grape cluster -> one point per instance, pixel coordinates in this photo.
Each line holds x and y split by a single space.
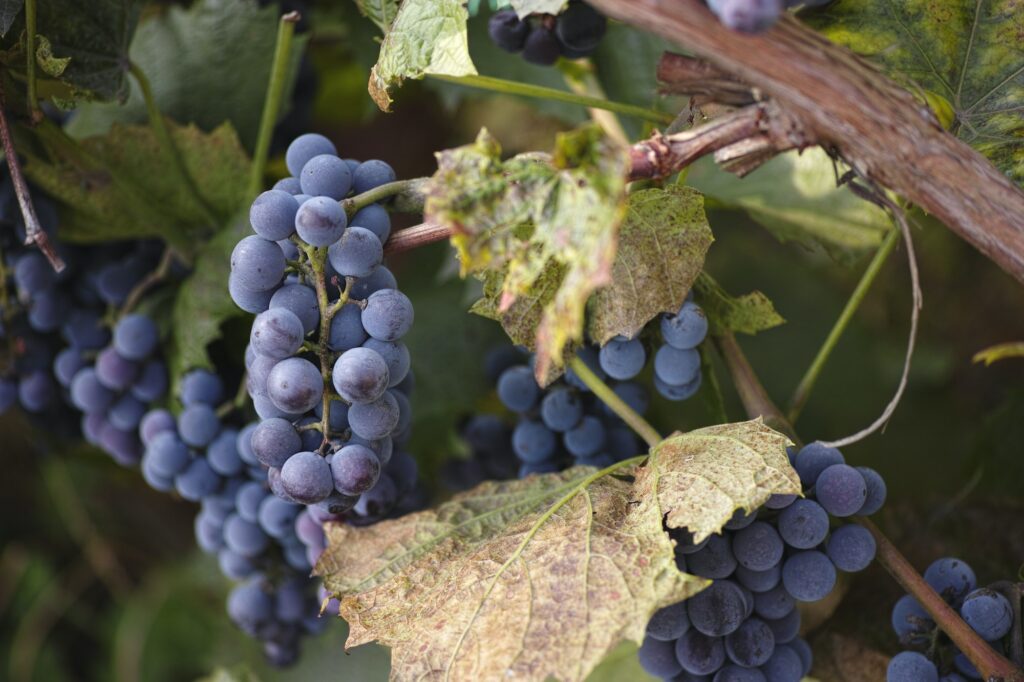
754 16
543 38
744 626
930 656
254 535
328 373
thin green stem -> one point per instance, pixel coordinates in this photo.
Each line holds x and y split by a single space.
238 400
317 258
158 275
272 100
615 403
580 78
410 186
163 135
540 92
30 62
806 385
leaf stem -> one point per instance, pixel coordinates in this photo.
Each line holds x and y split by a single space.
34 233
806 385
30 64
615 403
272 100
757 403
541 92
163 135
411 188
416 236
153 278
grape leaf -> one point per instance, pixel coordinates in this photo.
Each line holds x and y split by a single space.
9 11
95 35
550 224
427 36
203 303
748 314
182 53
966 51
621 664
795 197
545 575
525 7
662 243
380 12
121 185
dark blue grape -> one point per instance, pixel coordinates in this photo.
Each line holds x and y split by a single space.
623 358
773 604
198 425
676 367
841 490
658 658
736 673
325 175
88 394
360 375
388 315
272 215
507 30
376 419
580 28
715 560
197 480
740 519
814 458
786 628
249 605
988 613
235 566
561 409
517 389
699 654
718 609
273 441
300 300
909 618
126 413
759 581
541 46
396 357
586 438
305 147
808 575
135 337
784 665
357 253
533 442
320 221
687 328
295 385
910 666
669 623
151 383
370 174
803 524
951 578
380 279
277 333
222 454
257 264
876 491
758 546
374 218
355 468
156 422
851 548
289 184
277 516
307 477
249 300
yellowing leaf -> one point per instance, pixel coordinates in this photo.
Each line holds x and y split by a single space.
545 576
427 36
966 51
1002 351
662 244
747 314
549 225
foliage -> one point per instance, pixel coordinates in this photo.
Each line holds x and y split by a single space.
493 569
964 51
549 225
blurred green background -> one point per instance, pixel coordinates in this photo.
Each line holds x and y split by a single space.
100 578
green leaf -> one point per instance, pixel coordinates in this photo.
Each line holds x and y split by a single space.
796 198
95 35
427 36
966 51
662 244
238 673
621 664
203 303
489 573
1002 351
194 78
380 12
747 314
525 7
548 224
9 11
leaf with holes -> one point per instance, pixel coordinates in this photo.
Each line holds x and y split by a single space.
967 52
747 314
662 244
426 37
548 224
546 575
